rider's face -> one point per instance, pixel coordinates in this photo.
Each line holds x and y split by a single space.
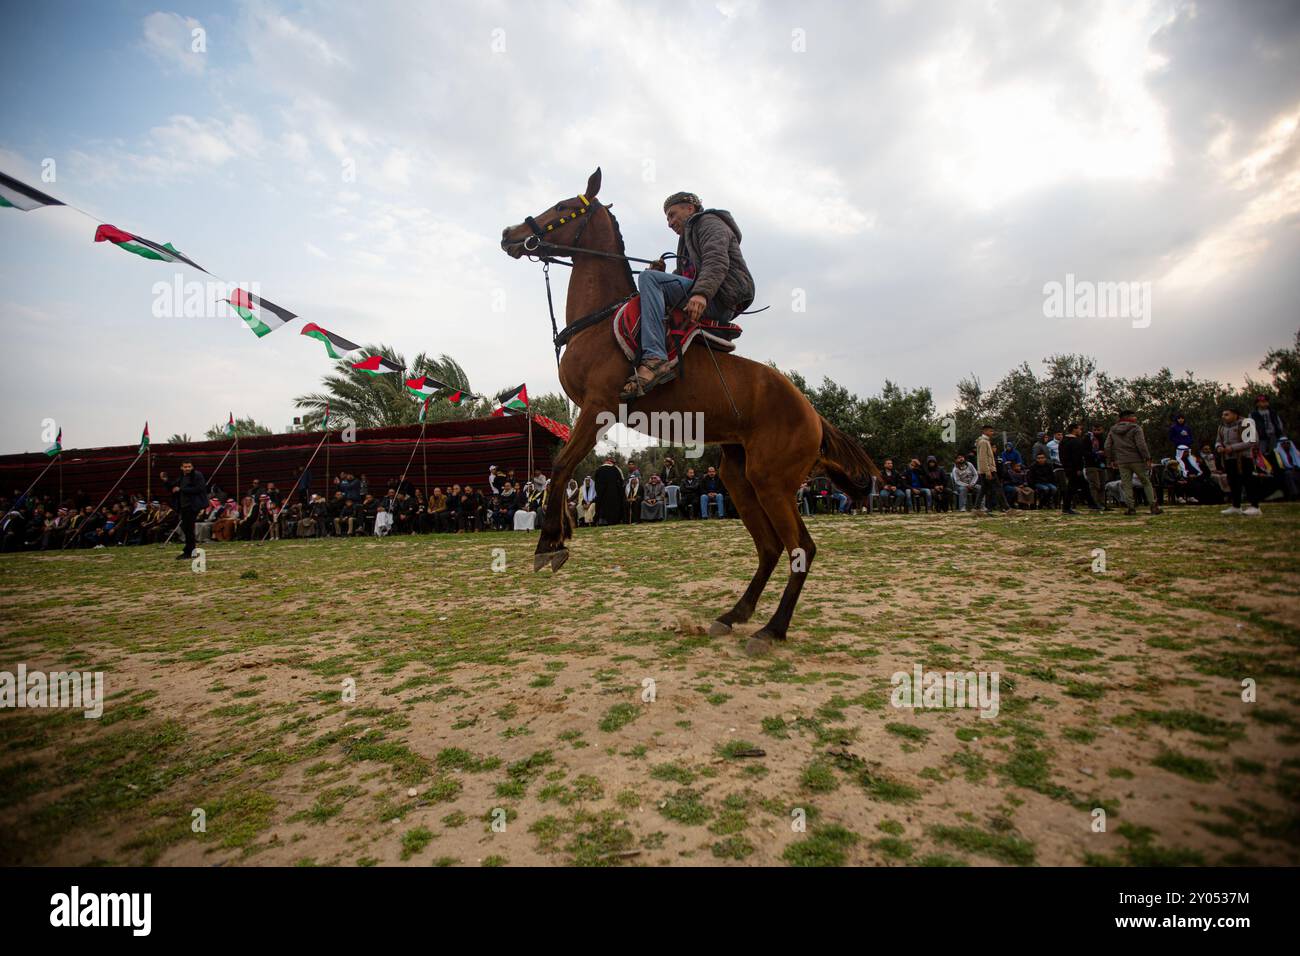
677 215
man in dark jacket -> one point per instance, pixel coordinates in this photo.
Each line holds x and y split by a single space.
1075 452
711 279
1268 425
1126 449
609 493
192 494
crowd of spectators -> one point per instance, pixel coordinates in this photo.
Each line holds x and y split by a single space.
1246 461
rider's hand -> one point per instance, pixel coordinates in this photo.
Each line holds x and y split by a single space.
695 307
657 265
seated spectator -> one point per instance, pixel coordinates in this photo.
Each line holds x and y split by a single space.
966 481
1287 458
438 510
571 500
893 486
1171 483
1017 488
587 502
690 498
383 521
632 496
1042 478
652 504
918 487
937 483
804 499
711 494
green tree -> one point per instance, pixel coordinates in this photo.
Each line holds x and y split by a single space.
180 438
244 427
377 401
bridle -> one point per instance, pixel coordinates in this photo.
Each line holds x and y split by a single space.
542 250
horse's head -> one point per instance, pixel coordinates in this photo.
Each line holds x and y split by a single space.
560 225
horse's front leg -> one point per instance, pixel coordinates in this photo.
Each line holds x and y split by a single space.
556 529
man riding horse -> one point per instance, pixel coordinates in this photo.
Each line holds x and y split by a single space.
711 278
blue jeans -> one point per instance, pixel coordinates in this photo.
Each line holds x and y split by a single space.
661 291
717 505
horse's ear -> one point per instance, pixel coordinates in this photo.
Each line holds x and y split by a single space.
593 184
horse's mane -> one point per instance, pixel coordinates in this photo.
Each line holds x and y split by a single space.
622 250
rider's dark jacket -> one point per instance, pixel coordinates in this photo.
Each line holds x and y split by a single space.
708 251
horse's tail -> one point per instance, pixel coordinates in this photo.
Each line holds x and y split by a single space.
847 462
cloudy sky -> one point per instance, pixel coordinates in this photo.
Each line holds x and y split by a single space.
915 172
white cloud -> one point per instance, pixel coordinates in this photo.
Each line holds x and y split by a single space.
170 37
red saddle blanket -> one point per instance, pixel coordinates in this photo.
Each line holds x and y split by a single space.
681 331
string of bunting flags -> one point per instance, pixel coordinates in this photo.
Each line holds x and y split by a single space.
260 315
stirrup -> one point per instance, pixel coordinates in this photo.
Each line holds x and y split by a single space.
637 387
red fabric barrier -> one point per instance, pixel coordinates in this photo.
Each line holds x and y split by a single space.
457 452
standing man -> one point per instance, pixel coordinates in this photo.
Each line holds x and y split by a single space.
609 493
1126 449
1268 426
192 494
711 278
1236 448
986 463
1094 465
1073 456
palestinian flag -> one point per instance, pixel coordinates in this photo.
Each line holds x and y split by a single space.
144 438
144 247
326 423
336 345
57 446
261 316
377 365
230 425
513 401
457 398
425 386
424 407
16 195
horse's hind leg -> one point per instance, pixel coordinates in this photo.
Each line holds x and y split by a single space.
760 529
778 501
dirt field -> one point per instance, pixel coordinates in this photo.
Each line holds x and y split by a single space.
501 718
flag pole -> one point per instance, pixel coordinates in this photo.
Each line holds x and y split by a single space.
529 420
238 499
411 459
294 489
209 478
42 475
148 474
424 453
82 526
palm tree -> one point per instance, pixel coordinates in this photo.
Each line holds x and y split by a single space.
376 401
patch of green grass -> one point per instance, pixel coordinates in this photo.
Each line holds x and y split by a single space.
618 717
825 846
1193 768
998 846
686 806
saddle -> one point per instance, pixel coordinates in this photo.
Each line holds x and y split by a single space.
682 332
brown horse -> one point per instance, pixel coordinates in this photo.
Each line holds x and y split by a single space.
771 436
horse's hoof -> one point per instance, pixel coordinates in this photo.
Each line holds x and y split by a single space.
719 629
558 558
540 561
759 645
